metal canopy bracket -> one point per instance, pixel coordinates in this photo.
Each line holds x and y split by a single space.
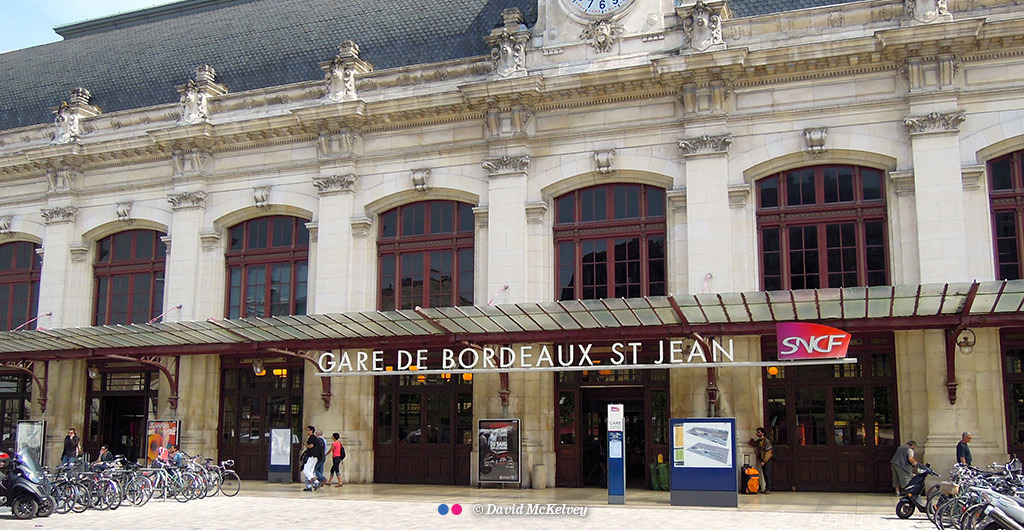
952 334
29 367
325 382
172 379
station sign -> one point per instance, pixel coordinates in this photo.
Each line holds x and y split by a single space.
801 340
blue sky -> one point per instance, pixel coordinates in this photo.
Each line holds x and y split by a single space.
25 23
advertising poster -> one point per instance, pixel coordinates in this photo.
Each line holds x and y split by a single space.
704 445
30 437
160 434
678 449
280 447
499 452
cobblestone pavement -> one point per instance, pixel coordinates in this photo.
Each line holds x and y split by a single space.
317 511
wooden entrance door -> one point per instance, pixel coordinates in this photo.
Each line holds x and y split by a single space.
834 427
424 427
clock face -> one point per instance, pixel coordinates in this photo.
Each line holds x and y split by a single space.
599 7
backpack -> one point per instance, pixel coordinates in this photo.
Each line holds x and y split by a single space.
342 452
750 481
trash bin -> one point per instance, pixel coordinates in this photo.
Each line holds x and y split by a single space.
662 474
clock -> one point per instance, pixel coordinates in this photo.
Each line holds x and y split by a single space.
593 9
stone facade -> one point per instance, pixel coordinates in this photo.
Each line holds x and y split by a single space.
926 99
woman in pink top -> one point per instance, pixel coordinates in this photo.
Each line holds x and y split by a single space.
338 452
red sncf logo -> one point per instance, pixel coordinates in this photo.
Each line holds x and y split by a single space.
798 340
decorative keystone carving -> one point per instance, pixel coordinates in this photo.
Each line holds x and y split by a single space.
62 178
535 212
602 35
361 227
341 71
67 116
703 28
934 122
123 210
927 11
419 179
60 214
342 144
603 160
261 196
335 184
705 144
195 161
5 224
506 164
508 44
188 199
815 139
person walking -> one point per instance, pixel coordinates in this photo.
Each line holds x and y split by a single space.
963 451
764 451
72 448
903 463
316 446
337 451
325 449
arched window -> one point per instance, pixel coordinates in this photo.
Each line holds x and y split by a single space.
268 267
19 284
610 242
426 243
1006 194
822 226
129 273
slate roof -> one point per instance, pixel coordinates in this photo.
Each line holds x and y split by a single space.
132 61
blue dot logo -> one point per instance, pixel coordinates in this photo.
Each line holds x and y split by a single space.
442 509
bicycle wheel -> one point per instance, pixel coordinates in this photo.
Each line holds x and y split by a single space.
973 516
179 488
948 516
82 498
200 485
230 484
934 500
139 491
64 495
213 482
111 494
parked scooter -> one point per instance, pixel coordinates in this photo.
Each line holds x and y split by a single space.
999 512
24 487
914 494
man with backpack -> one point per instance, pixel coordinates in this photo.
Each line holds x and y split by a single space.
764 451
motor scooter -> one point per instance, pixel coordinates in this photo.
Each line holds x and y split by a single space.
24 487
913 494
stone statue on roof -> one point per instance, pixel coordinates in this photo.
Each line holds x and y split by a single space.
193 104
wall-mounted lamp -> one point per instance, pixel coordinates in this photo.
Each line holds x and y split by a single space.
93 372
257 367
967 341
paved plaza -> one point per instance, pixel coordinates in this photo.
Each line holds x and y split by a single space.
267 506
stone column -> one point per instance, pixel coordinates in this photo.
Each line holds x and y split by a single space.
334 242
507 228
938 196
707 213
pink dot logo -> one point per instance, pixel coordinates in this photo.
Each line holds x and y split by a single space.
456 509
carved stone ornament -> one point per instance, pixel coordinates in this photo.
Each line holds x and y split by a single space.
506 164
65 124
261 196
927 11
420 178
62 178
5 224
703 28
508 54
60 214
195 161
341 71
188 199
123 210
193 104
335 184
934 122
338 144
603 159
815 139
705 144
602 34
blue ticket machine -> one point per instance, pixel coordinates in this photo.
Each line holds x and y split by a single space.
616 455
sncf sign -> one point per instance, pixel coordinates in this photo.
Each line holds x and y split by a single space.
799 340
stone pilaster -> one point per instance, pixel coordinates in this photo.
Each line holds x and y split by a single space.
334 242
939 196
507 227
707 212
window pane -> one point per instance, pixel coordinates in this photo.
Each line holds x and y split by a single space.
1002 173
777 426
656 266
871 184
849 414
811 428
1007 251
413 219
409 412
564 208
412 280
284 231
389 224
236 233
123 246
655 201
384 418
441 217
465 277
567 418
885 430
466 220
626 199
387 282
255 291
441 280
145 241
593 204
566 271
258 229
768 192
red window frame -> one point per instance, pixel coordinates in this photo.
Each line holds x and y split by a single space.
822 226
20 268
420 238
259 252
1006 197
129 277
612 238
